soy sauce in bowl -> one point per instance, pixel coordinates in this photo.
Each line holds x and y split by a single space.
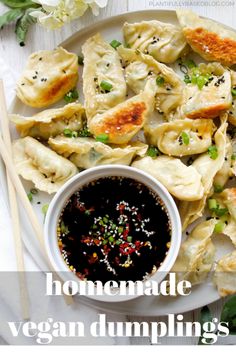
114 228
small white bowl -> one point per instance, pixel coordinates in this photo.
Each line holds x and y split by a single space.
58 202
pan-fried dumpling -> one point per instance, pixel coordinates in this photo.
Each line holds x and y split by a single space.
86 152
207 168
44 167
196 255
223 175
207 100
225 274
48 76
181 181
103 79
50 122
119 124
211 40
164 41
140 67
181 137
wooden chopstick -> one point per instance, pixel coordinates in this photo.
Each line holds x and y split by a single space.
24 295
15 180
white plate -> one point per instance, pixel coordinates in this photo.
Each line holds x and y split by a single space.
148 306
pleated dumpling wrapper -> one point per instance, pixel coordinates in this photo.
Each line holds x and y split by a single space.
104 84
181 137
50 122
225 274
47 77
207 167
119 124
211 40
87 152
196 255
140 67
181 181
209 93
44 167
164 41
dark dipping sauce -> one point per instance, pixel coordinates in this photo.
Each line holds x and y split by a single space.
114 228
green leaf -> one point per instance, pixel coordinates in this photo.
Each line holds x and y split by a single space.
22 26
205 316
153 151
104 138
185 138
228 314
71 96
20 4
10 16
213 152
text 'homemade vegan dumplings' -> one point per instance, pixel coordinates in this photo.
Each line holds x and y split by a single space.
48 76
86 152
181 137
119 124
37 163
104 84
140 67
211 40
50 122
164 41
181 181
212 97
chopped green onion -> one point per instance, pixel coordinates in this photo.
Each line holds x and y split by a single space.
190 64
111 239
87 213
80 60
219 212
153 151
233 91
120 230
201 81
218 189
85 133
34 191
118 242
129 239
64 228
74 134
113 227
102 138
67 133
233 157
187 79
115 43
106 86
212 204
160 81
45 209
185 138
219 227
104 242
105 219
71 96
30 196
213 152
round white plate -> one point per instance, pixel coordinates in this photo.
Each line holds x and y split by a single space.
149 306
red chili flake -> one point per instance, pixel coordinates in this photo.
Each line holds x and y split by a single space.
96 241
121 208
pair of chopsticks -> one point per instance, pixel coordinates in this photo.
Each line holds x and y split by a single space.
14 184
5 148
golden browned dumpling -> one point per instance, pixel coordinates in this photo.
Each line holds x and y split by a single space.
214 42
48 76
